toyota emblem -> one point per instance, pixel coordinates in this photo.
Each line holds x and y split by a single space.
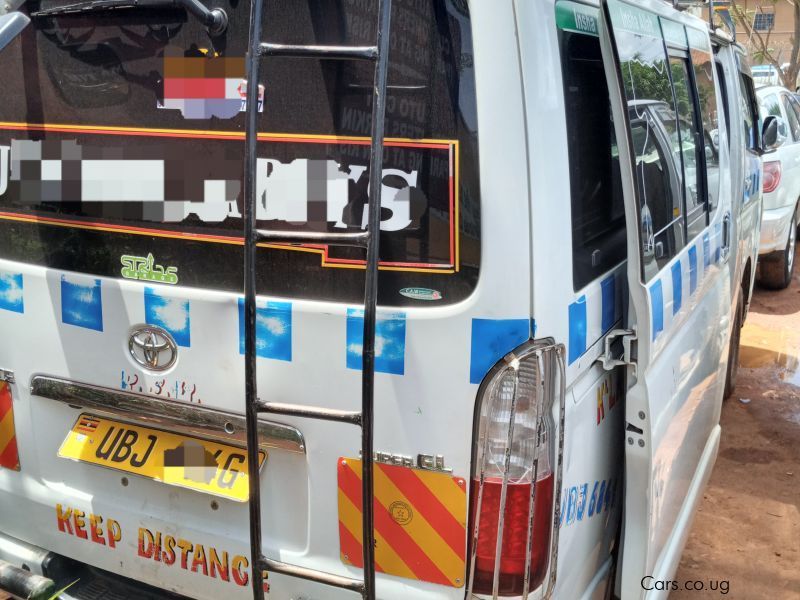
152 348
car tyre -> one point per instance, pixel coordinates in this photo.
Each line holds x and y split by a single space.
733 352
776 274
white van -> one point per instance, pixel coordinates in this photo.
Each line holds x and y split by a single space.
536 410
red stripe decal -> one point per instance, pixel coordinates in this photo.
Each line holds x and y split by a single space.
402 543
5 399
9 458
435 513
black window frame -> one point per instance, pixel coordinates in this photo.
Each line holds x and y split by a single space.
614 251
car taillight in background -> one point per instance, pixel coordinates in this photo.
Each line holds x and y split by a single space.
772 175
513 483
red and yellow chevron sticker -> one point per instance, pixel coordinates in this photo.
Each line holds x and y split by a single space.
9 457
420 522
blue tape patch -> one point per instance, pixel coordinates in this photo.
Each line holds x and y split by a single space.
273 330
11 292
706 252
82 303
390 341
718 238
677 287
692 269
577 329
609 302
657 307
168 313
492 339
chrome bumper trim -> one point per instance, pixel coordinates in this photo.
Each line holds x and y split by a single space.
173 415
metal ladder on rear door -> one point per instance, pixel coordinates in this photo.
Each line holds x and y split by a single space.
369 240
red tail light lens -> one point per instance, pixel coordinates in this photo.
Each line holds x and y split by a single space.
772 175
515 535
513 405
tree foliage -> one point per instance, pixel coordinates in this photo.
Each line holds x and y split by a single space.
763 49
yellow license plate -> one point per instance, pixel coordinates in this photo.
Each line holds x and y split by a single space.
175 459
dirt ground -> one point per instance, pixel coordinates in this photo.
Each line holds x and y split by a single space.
747 530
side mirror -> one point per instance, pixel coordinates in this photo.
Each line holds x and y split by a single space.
771 133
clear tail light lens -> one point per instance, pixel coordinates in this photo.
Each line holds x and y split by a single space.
514 395
772 175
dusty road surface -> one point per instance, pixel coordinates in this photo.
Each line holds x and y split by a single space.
747 531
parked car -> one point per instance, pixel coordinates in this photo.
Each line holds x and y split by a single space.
781 164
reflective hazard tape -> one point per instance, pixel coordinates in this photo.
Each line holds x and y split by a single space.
9 457
420 522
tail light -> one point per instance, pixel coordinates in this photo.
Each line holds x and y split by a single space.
772 175
513 483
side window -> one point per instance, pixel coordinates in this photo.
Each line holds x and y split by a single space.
791 118
598 210
691 146
749 114
653 118
723 88
703 66
770 106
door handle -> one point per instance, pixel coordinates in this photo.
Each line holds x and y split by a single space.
725 248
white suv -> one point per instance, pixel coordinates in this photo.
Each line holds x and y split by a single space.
781 187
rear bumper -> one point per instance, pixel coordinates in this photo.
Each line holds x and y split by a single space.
28 571
775 229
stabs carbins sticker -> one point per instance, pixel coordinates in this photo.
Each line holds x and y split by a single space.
9 457
420 522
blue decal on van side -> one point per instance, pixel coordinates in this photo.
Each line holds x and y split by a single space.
657 307
11 296
692 269
577 329
677 287
492 339
609 302
390 341
718 244
82 303
273 330
168 313
706 252
577 504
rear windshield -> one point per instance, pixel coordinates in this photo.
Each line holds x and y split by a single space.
121 145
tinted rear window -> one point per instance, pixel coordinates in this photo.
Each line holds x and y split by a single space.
122 136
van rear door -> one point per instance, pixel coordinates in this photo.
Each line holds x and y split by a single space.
664 98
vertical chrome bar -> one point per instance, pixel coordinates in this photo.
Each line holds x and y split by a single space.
532 501
251 390
504 487
478 504
560 352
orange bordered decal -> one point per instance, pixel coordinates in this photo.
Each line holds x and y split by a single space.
420 522
9 457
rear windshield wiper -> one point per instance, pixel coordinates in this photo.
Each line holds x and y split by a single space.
214 19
